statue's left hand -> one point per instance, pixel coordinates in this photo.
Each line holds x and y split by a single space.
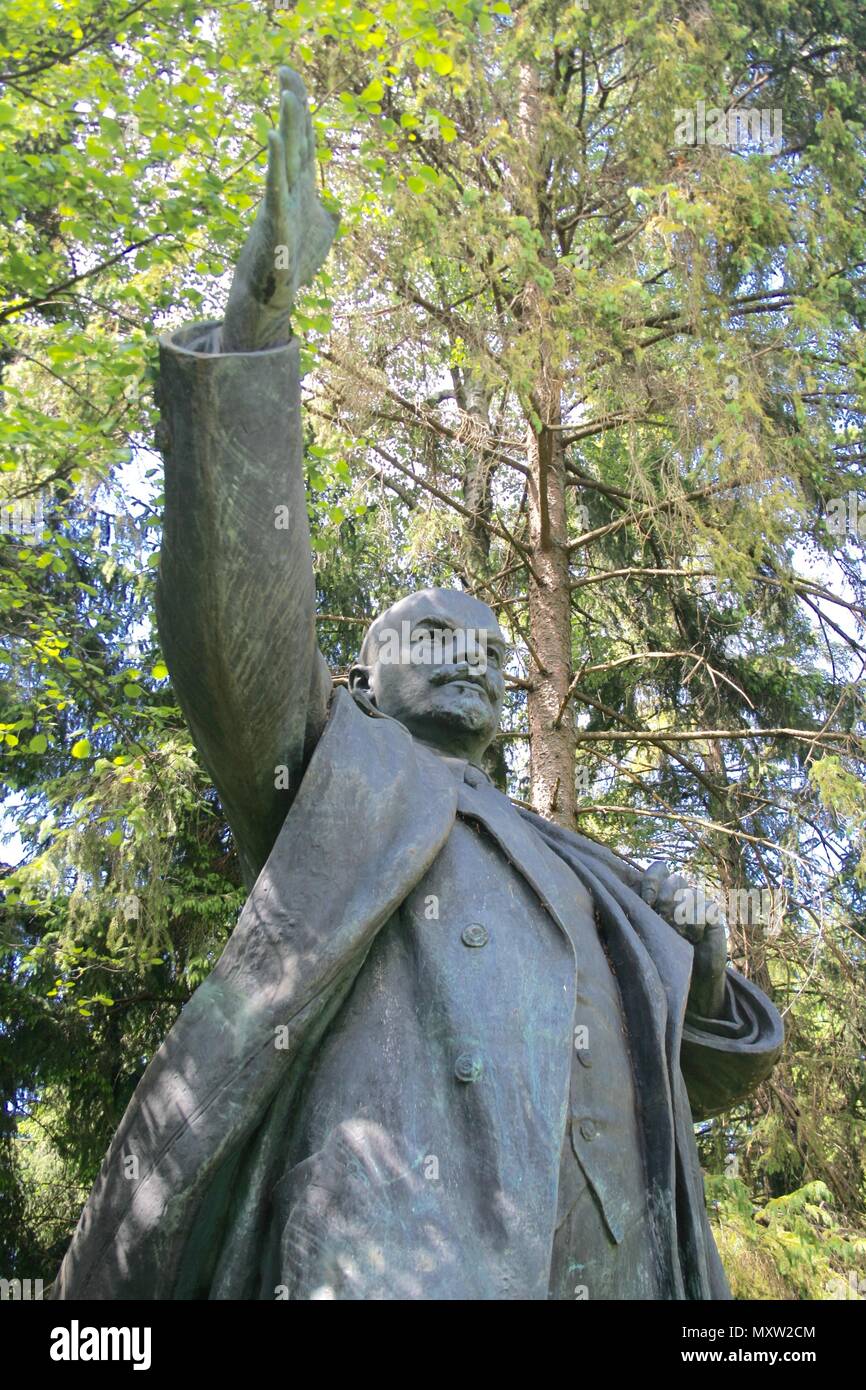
669 895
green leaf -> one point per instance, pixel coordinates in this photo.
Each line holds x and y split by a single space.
262 127
81 748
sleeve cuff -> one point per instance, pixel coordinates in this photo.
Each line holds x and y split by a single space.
204 340
724 1059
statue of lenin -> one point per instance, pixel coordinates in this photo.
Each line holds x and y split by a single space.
451 1050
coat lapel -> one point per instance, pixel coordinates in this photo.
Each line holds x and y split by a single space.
372 813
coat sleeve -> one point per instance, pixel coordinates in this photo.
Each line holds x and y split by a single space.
724 1059
236 593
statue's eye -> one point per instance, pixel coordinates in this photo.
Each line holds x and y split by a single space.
428 645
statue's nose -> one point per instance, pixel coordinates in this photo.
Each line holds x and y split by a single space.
467 667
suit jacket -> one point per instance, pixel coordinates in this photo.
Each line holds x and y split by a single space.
219 1089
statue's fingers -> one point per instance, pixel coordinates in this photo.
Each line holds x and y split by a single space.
276 190
716 934
672 889
290 81
676 903
291 132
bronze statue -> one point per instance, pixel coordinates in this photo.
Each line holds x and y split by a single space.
451 1050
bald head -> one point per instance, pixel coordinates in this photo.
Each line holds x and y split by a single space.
449 608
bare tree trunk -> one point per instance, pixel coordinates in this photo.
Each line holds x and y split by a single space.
551 727
552 740
746 931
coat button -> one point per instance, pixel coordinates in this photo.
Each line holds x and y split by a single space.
588 1129
471 777
468 1067
475 935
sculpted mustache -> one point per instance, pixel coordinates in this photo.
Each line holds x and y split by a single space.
446 678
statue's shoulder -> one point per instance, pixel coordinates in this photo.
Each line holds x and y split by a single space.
351 718
356 734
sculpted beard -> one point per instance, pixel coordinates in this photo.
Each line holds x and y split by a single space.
467 708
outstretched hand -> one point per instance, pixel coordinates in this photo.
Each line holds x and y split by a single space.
290 238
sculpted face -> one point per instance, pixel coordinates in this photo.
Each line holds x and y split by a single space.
434 661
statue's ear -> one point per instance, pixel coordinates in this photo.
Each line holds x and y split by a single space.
359 680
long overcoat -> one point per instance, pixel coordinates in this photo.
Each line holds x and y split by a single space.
184 1204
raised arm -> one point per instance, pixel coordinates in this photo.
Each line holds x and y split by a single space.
236 593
